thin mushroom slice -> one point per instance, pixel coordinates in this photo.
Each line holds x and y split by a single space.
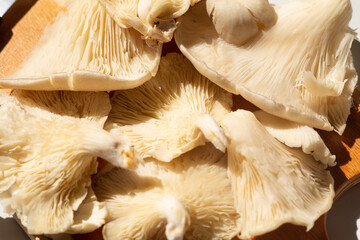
154 19
300 69
85 50
48 154
189 198
272 183
172 113
297 135
237 21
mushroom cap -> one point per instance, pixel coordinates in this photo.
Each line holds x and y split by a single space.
48 148
92 108
237 21
154 19
172 113
89 216
196 180
85 50
296 135
300 69
272 183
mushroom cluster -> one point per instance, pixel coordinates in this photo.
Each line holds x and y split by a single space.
182 163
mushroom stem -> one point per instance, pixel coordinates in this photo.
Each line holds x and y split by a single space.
178 218
114 149
212 132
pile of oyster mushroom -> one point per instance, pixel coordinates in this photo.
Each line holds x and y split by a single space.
181 163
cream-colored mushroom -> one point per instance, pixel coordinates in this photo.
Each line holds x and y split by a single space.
154 19
89 216
300 69
189 198
172 113
85 50
272 183
237 21
297 135
49 142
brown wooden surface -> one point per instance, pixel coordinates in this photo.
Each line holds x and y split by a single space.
21 29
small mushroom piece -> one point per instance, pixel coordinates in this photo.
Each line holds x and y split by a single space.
89 216
49 142
237 21
272 183
189 198
154 19
85 50
172 113
300 69
297 135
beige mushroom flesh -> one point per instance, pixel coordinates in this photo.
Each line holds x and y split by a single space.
299 69
272 183
188 198
85 50
172 113
48 149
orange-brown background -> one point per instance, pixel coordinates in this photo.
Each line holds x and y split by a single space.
21 29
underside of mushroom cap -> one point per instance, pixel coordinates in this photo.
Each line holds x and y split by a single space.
86 106
297 135
89 216
172 113
272 183
38 182
85 50
197 179
48 154
300 69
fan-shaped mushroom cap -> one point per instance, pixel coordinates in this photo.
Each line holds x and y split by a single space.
272 183
189 198
154 19
85 50
172 113
237 21
297 135
300 69
48 147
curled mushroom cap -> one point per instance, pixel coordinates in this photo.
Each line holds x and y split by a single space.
189 198
297 135
272 183
85 50
300 69
48 149
237 21
172 113
154 19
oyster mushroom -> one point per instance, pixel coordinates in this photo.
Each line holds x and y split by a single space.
189 198
272 183
297 135
237 21
300 69
85 50
154 19
172 113
49 142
